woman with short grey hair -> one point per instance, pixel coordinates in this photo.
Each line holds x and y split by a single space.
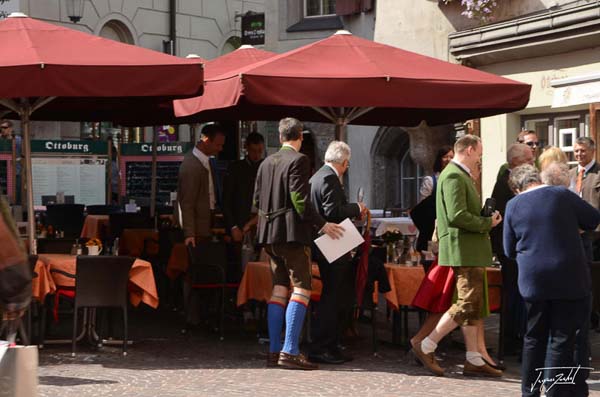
541 232
524 177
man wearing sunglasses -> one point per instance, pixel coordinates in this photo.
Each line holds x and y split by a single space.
529 138
6 132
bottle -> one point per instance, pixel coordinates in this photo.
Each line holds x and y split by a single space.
115 249
74 248
79 249
413 255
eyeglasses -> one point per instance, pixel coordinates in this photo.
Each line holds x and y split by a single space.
4 127
532 144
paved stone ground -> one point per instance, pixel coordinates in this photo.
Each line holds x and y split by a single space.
163 362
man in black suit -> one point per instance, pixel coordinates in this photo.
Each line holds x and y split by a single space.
328 196
512 303
238 190
287 221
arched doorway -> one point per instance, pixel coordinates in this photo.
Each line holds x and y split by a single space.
401 157
395 176
232 44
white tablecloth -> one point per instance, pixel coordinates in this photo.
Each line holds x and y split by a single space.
383 225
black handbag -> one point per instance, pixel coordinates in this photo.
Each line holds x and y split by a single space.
423 216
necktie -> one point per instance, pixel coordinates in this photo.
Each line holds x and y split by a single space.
579 180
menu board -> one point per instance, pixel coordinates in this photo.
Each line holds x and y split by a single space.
136 168
138 175
84 178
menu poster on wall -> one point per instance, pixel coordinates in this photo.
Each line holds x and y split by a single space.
84 178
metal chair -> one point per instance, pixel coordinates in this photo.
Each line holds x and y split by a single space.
101 281
207 271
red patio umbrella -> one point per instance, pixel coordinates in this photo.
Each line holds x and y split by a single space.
347 79
54 73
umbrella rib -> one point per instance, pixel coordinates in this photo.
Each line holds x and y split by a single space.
10 103
41 101
329 116
357 112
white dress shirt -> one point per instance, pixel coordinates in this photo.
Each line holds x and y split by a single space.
206 164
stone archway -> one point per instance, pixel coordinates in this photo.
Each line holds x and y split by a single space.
401 156
389 145
117 31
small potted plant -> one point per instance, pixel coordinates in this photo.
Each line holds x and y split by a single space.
94 246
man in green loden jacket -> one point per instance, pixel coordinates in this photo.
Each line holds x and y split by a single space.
464 244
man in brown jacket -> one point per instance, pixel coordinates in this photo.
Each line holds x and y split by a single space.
195 186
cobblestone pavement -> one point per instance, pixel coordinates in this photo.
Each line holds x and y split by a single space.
163 362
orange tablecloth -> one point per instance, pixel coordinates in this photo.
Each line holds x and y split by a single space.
132 242
95 226
43 284
257 283
405 281
142 287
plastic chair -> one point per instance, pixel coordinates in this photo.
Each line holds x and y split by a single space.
101 281
66 217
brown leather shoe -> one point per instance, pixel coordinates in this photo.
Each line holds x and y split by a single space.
481 370
272 359
295 362
428 360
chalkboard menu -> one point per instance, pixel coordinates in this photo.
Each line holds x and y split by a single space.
138 175
136 168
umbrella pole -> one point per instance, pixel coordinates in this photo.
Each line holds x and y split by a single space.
153 180
25 116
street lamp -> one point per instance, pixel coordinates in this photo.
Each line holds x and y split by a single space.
75 9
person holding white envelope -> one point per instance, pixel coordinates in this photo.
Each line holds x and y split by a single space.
328 196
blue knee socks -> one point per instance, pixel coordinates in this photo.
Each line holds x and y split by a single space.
294 319
275 315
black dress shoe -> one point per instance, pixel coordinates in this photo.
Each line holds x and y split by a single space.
326 358
341 355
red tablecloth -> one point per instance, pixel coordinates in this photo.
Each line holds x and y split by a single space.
142 287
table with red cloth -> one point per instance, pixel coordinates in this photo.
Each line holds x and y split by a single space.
95 226
405 281
142 287
257 283
42 284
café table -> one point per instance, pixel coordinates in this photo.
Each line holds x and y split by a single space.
95 226
257 283
43 284
142 287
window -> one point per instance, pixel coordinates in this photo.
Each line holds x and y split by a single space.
411 176
559 130
316 8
